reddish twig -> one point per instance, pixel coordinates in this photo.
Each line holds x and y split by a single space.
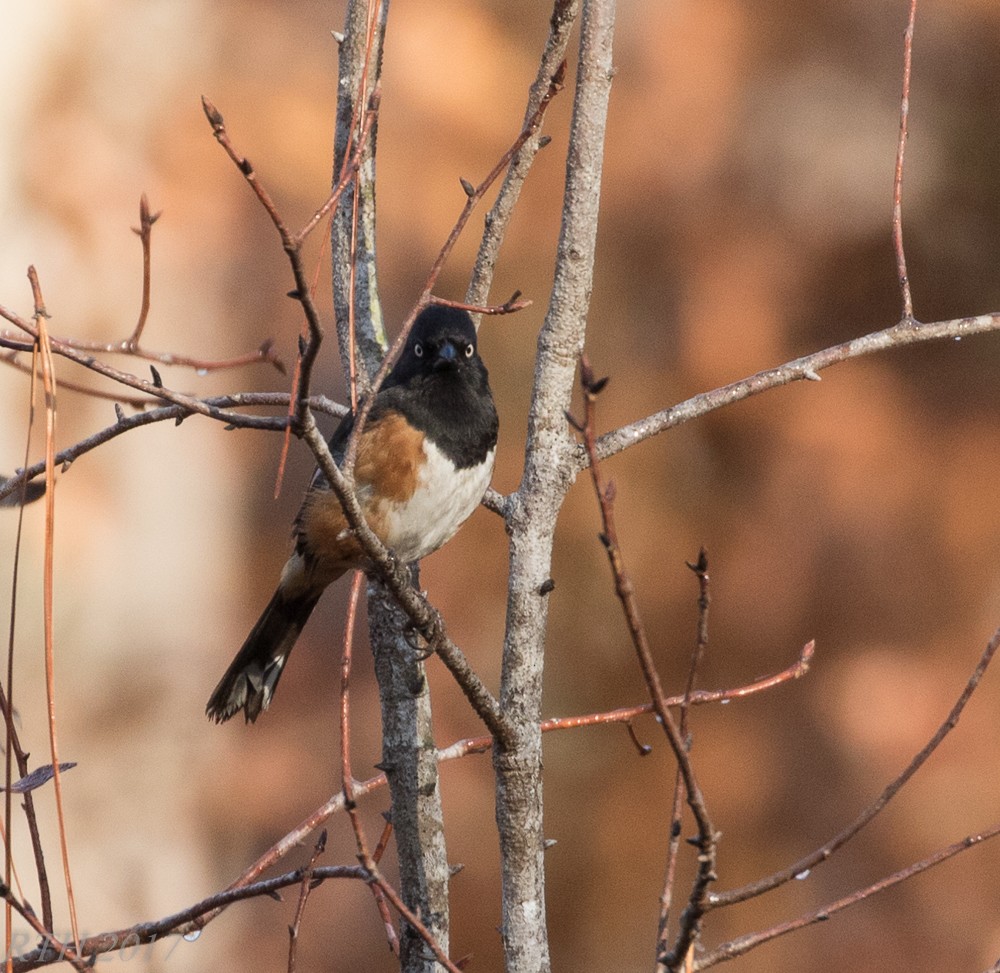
738 947
133 402
13 750
292 242
700 568
564 16
156 389
821 854
391 935
131 346
48 587
476 193
707 839
305 887
145 233
511 305
897 183
411 917
347 775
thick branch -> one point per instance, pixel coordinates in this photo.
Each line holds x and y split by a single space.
533 510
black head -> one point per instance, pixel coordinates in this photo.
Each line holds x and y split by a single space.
442 339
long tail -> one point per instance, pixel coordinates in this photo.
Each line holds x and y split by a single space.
250 679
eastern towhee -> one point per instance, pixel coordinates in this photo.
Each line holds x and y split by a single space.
424 461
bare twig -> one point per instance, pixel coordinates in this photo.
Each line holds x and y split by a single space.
131 346
707 840
738 947
347 774
897 183
217 405
564 14
186 922
821 854
700 568
292 242
481 744
133 402
155 389
13 750
808 368
48 587
305 887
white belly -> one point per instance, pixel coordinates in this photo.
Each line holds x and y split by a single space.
443 500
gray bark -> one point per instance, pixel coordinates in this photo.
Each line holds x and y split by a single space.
408 752
532 511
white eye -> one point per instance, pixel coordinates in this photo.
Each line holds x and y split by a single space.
418 350
469 349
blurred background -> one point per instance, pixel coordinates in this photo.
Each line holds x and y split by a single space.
745 221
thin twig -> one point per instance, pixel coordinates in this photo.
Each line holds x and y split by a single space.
48 587
738 947
564 15
14 750
481 744
897 182
292 242
305 887
177 413
131 346
154 389
180 923
799 369
821 854
707 839
133 402
700 568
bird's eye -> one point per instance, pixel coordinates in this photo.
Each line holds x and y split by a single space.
469 350
418 350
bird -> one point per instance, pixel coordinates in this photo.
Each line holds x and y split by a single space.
424 461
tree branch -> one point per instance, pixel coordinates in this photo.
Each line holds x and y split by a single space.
808 368
821 854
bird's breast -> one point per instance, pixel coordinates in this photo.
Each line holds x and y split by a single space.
443 497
